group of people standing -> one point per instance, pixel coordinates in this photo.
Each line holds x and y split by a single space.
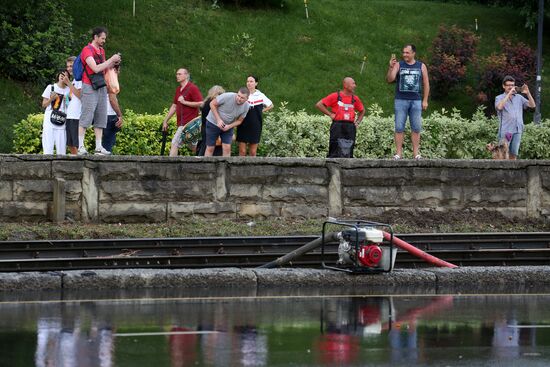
411 97
226 116
83 103
221 113
412 89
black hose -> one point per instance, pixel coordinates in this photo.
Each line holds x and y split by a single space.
332 236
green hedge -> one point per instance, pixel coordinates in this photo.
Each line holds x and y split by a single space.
297 134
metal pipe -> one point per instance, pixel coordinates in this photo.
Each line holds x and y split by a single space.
331 236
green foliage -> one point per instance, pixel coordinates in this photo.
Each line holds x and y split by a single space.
446 135
294 134
288 133
36 37
140 135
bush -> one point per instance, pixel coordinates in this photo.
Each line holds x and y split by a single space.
35 39
515 59
455 41
452 49
298 134
140 135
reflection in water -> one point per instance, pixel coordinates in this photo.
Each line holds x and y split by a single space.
388 330
62 346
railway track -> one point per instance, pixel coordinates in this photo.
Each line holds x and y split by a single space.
463 249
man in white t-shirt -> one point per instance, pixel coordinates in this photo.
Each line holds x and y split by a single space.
74 109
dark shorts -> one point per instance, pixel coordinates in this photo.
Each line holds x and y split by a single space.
72 132
212 133
342 139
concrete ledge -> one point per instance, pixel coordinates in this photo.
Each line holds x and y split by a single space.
262 281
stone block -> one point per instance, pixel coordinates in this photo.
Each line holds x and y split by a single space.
24 211
304 176
218 209
504 178
178 171
375 196
68 170
132 212
302 193
245 191
6 193
430 196
258 210
115 171
495 197
73 190
464 177
544 173
263 174
253 174
155 190
23 170
396 176
304 211
32 190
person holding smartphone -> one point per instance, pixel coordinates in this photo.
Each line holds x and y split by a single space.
510 106
55 96
412 88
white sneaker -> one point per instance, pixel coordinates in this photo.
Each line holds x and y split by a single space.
82 151
102 151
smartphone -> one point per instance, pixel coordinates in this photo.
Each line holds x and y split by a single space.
393 56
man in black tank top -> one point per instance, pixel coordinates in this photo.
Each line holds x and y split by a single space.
411 97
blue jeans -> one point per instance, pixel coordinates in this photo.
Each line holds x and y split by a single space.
109 133
212 133
410 108
513 143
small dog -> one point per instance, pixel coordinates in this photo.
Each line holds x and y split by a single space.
499 150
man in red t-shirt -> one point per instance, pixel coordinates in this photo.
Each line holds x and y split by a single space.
346 112
94 98
186 104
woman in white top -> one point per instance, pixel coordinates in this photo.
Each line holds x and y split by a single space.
250 131
55 96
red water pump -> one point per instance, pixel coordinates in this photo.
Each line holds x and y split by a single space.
362 247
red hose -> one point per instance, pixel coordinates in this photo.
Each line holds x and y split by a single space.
419 253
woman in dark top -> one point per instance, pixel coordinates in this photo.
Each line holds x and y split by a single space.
250 131
201 145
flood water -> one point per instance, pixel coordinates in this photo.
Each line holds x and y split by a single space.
309 330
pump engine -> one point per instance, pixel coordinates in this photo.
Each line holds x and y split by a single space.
361 247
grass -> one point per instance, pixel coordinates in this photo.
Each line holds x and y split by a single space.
402 222
297 60
15 104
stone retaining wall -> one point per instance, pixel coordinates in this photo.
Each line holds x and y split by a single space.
159 189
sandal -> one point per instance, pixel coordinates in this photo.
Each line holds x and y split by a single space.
418 157
396 157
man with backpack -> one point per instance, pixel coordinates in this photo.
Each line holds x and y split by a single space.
94 91
346 112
